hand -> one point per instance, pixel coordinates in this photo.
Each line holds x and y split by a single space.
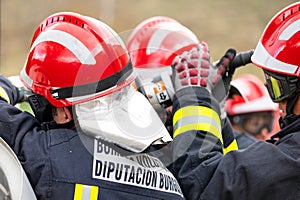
239 60
8 91
23 91
194 68
221 89
220 92
191 68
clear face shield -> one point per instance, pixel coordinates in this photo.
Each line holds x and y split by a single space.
125 118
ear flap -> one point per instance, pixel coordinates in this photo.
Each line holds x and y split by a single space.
41 108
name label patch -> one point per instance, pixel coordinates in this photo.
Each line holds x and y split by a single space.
138 170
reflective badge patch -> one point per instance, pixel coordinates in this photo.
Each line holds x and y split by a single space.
85 192
139 170
161 92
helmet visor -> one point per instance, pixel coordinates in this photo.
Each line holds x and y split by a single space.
254 123
280 87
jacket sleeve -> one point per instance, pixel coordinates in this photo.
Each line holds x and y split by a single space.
21 131
14 123
198 142
204 172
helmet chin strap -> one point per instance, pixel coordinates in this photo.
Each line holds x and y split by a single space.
290 116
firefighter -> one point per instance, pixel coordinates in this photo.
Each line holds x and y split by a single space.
263 170
250 110
153 44
92 136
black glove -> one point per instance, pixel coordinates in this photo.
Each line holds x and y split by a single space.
239 60
220 91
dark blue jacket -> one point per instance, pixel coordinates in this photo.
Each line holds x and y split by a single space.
243 139
261 171
64 164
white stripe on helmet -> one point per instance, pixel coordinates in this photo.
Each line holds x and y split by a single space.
160 34
70 42
262 57
290 30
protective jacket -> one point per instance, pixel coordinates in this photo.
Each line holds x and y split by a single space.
65 164
261 171
243 139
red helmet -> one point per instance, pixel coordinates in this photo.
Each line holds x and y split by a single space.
277 53
75 58
156 41
278 49
248 95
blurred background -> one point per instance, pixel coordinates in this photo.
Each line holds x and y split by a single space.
221 23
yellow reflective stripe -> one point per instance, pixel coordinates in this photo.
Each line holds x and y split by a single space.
199 126
85 192
275 88
94 193
78 192
4 95
195 110
233 146
194 120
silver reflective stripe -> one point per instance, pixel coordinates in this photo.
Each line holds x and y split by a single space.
290 30
86 192
263 58
160 34
26 78
195 120
69 41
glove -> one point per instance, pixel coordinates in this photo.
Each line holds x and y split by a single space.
24 93
239 60
8 91
194 68
221 89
